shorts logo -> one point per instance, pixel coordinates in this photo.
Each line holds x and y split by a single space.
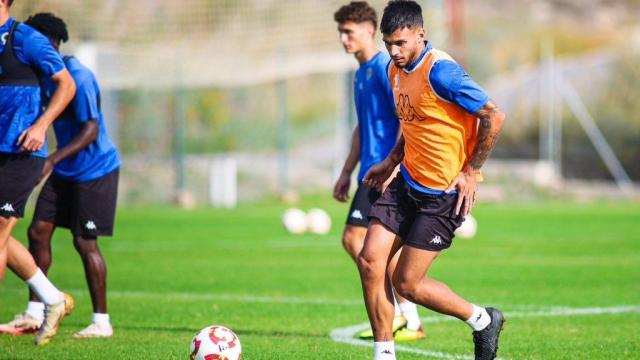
90 225
7 207
437 240
356 214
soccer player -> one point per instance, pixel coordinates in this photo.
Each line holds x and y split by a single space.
373 138
24 56
81 192
449 127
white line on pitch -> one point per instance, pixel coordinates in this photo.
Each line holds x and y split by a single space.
185 296
346 335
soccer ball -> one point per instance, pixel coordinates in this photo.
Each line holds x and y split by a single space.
318 221
216 343
295 221
468 228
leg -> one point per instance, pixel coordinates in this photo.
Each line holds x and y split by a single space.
6 227
406 309
391 268
353 240
95 271
379 246
409 279
20 260
40 233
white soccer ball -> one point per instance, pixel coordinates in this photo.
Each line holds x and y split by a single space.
318 221
216 343
295 221
468 228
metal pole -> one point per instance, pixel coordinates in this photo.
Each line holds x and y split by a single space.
283 137
590 127
179 129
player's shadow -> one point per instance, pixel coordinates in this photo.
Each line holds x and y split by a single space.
239 332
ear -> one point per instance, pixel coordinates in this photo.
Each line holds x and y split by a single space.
422 34
371 30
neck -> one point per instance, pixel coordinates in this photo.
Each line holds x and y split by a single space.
417 54
4 16
365 55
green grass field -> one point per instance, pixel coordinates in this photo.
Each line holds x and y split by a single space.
566 275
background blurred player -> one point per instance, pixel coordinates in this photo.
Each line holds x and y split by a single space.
442 149
373 138
81 192
25 56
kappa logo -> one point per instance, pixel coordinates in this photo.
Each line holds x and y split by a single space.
437 240
7 207
4 37
356 214
405 111
90 225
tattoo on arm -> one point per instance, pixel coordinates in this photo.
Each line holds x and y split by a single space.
491 120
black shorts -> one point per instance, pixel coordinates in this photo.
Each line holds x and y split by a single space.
361 205
88 209
19 174
422 220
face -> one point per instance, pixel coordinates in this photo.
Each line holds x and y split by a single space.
403 45
356 36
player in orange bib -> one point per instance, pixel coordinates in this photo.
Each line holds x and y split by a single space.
449 128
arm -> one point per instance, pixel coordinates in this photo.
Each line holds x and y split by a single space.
491 122
380 173
341 189
87 135
33 138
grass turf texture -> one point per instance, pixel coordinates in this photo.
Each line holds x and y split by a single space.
174 272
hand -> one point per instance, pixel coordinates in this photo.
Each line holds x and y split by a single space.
341 189
467 186
378 175
32 139
46 170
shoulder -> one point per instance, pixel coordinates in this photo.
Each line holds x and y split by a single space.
25 33
79 72
445 72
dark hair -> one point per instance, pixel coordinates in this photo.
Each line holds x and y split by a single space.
357 12
9 3
49 25
400 14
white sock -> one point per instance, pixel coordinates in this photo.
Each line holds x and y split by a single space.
410 312
480 318
384 350
44 289
101 320
36 310
395 306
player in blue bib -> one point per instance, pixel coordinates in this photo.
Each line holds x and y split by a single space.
80 193
25 57
373 139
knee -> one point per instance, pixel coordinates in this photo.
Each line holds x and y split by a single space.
84 246
350 244
353 240
370 269
404 286
37 236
